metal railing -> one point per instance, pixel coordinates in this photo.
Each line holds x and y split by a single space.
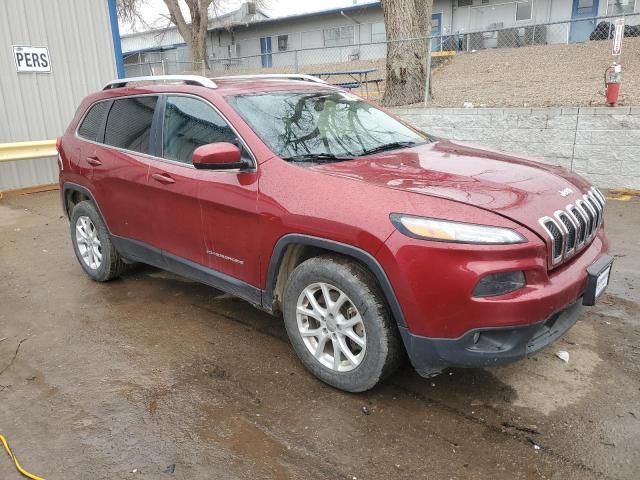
27 150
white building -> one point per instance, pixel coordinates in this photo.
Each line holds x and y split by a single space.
348 33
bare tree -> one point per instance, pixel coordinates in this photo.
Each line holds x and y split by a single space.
407 23
129 10
194 33
193 28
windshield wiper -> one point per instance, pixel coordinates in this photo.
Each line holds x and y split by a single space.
315 158
388 146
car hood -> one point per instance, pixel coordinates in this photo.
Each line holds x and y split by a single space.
518 188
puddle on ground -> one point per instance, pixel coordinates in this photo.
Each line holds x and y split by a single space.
245 439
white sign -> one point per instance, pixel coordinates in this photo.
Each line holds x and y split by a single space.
617 37
32 59
603 281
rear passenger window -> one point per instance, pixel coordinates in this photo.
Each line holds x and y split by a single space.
129 123
190 123
92 121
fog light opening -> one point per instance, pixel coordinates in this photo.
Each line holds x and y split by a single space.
476 337
500 283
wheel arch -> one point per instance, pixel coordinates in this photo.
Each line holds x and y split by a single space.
293 249
73 193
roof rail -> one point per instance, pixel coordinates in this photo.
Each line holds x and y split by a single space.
282 76
187 79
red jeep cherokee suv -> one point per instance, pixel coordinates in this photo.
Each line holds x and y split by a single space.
371 237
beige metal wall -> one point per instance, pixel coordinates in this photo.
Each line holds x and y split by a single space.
39 106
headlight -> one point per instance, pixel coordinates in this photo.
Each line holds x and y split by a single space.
446 231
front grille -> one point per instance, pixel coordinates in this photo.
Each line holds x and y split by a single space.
588 210
582 223
596 206
556 236
572 229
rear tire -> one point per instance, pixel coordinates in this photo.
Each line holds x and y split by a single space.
92 244
350 341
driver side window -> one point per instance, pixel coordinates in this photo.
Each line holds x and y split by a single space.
190 123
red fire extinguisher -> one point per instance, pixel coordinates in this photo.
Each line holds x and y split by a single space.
612 80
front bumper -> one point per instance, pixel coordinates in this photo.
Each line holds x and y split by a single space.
486 347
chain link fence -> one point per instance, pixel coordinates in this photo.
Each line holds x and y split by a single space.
362 67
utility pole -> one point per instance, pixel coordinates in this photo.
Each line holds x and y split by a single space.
427 80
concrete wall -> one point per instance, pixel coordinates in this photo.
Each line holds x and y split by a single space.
39 106
603 144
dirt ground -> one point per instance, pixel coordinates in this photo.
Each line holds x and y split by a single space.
538 76
153 376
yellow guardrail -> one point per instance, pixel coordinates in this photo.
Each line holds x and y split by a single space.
27 150
445 53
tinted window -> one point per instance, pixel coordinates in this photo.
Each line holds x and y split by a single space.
92 121
188 124
129 123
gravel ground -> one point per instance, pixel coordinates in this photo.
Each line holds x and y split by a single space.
152 376
538 76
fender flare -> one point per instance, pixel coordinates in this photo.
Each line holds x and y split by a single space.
67 186
343 248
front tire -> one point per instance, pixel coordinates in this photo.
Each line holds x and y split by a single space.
92 244
339 324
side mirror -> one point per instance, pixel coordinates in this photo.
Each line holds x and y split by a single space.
217 156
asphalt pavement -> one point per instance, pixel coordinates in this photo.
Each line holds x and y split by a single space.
153 376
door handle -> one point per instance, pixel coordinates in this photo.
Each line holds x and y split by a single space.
93 160
163 178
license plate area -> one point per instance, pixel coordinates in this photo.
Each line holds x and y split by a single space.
597 280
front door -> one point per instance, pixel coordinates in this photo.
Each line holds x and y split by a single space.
436 32
581 29
265 50
206 217
173 182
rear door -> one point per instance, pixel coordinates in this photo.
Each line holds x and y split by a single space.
119 163
91 130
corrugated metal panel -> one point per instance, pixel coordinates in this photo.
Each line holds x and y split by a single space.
151 40
39 106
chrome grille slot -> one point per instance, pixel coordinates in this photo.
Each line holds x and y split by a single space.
581 222
598 194
557 238
588 210
596 207
572 229
598 199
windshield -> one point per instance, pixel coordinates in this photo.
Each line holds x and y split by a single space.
322 126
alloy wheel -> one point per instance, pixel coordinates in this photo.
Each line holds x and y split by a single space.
331 327
88 242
